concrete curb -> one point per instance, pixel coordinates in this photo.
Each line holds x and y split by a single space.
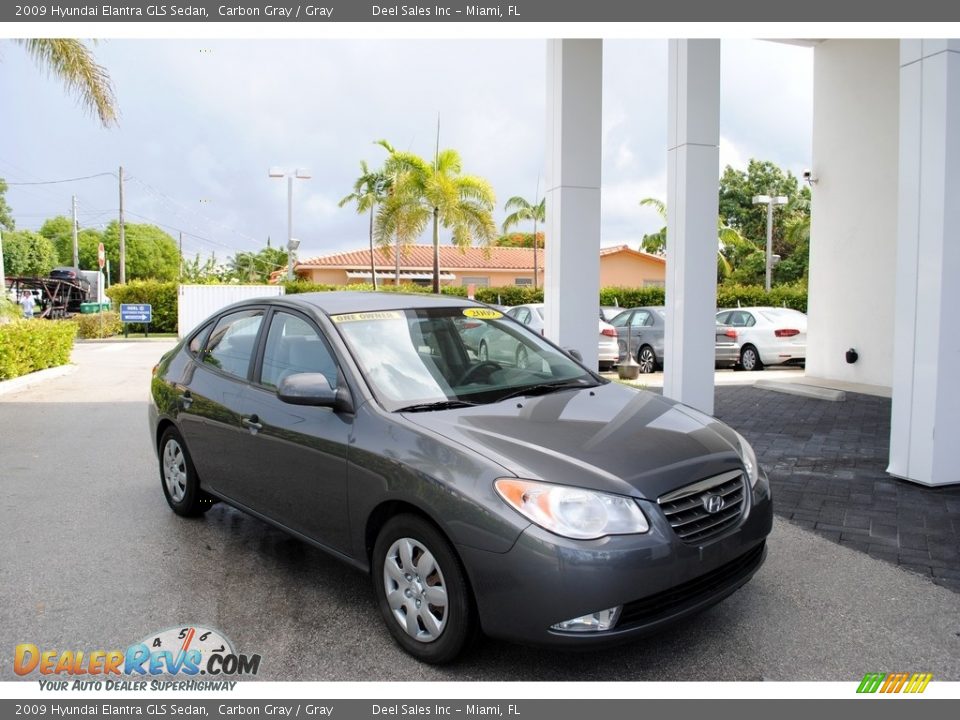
35 378
808 391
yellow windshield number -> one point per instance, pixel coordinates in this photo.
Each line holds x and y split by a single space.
482 313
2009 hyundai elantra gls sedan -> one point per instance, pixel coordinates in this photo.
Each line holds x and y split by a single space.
539 504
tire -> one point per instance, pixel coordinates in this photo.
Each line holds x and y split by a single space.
523 358
483 353
178 477
647 359
750 358
437 632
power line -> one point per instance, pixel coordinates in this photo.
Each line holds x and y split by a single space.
65 180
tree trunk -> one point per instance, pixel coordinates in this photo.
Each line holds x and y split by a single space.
396 259
373 267
436 251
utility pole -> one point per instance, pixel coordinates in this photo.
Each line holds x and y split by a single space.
76 251
123 239
3 277
180 274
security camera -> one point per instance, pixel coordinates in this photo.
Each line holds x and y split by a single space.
809 177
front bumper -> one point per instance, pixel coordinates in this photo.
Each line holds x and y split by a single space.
545 579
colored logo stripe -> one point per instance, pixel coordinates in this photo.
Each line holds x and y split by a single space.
894 682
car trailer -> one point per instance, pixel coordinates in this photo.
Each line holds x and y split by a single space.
58 298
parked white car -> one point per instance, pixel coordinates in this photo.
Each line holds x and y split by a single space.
768 335
608 352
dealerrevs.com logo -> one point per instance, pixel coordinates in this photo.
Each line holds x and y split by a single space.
188 650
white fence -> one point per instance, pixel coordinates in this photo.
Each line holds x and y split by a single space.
198 302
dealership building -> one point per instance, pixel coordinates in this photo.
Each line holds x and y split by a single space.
885 226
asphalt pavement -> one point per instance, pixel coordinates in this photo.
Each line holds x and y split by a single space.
92 558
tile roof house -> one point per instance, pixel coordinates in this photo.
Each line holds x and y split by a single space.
481 267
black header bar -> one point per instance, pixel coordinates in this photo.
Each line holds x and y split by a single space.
493 11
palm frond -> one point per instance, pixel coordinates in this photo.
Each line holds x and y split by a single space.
73 64
659 205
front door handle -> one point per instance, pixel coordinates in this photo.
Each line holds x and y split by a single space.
252 422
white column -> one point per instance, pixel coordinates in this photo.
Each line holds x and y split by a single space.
925 423
572 266
693 165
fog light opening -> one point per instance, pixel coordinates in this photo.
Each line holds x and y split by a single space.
594 622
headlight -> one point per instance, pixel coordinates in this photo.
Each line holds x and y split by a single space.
749 458
573 512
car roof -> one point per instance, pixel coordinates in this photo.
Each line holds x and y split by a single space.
337 302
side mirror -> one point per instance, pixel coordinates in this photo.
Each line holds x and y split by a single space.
574 353
307 389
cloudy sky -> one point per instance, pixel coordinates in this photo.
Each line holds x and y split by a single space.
201 123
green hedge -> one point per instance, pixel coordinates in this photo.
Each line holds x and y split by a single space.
30 345
98 325
162 297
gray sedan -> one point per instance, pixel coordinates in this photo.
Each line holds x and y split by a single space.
538 504
643 329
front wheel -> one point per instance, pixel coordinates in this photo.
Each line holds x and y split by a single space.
178 476
422 590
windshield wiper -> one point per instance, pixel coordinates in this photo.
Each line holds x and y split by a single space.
439 405
544 388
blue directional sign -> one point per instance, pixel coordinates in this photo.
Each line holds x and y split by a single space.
136 313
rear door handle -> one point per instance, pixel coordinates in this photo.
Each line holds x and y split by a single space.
252 422
186 400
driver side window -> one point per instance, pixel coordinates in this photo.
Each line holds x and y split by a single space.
294 346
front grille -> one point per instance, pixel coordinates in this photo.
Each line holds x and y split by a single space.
687 512
667 602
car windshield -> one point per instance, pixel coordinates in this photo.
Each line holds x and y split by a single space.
431 358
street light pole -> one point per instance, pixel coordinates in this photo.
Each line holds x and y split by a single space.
769 201
292 243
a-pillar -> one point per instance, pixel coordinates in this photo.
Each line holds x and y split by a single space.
693 164
572 277
925 423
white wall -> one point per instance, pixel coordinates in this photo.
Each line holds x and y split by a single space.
198 302
854 212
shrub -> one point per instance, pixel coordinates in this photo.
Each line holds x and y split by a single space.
162 297
627 297
98 325
30 345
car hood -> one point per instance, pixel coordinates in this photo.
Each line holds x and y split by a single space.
610 438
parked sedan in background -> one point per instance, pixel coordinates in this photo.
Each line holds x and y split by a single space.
768 335
506 350
542 505
643 328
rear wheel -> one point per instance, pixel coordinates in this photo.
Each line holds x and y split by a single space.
178 476
422 590
647 359
750 358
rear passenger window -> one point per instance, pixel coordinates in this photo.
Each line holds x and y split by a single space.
232 342
293 346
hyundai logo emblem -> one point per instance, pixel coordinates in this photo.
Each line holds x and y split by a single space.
713 503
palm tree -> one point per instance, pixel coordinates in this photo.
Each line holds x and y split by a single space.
523 210
73 63
369 190
424 191
728 238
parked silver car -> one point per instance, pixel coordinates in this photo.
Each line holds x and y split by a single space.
504 349
642 328
768 335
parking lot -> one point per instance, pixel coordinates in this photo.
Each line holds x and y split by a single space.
93 558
